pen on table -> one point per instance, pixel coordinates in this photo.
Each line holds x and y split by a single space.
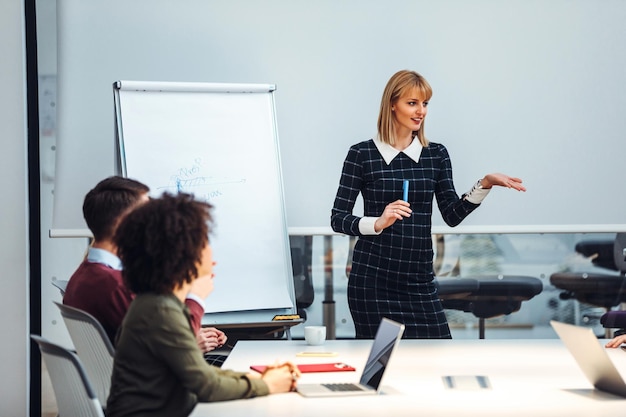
405 190
308 353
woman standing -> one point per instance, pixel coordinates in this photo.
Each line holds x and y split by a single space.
392 270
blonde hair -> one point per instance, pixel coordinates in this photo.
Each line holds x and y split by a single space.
399 84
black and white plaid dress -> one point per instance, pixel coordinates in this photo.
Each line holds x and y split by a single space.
392 273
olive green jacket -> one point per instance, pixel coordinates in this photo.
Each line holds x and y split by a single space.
159 369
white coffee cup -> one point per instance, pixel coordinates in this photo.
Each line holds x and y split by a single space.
315 335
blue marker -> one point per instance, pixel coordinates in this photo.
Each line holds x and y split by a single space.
405 190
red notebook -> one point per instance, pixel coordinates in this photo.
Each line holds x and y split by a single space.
313 367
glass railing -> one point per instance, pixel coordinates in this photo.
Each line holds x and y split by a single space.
322 264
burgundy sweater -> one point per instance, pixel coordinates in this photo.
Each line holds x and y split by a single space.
100 291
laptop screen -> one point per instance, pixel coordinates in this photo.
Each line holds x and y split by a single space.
384 343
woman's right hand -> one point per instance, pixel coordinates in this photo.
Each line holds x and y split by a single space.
393 212
281 378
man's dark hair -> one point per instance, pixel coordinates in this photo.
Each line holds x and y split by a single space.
160 242
108 201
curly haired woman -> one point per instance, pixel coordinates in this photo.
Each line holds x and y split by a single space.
159 369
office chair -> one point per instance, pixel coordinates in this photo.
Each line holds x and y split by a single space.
598 289
303 284
73 391
93 347
493 296
485 296
615 319
61 284
455 288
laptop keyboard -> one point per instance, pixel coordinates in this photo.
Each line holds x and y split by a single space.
343 387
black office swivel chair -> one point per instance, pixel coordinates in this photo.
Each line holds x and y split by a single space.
455 288
615 319
303 284
599 289
491 296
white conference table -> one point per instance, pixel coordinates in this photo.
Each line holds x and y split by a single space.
528 378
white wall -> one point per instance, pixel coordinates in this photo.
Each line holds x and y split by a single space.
532 88
59 257
13 214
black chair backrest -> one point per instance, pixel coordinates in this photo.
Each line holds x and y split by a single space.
619 252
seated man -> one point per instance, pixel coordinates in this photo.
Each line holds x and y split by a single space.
97 287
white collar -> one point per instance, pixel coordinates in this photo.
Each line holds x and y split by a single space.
388 152
104 257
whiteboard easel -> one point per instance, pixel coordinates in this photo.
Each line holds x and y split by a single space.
220 143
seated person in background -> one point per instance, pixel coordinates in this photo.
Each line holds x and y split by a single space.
96 287
158 369
617 341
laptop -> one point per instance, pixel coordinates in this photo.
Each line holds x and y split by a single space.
595 363
387 337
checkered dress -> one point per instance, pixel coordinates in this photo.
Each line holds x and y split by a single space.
392 272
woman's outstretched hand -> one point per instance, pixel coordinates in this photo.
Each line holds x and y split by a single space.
399 209
502 180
